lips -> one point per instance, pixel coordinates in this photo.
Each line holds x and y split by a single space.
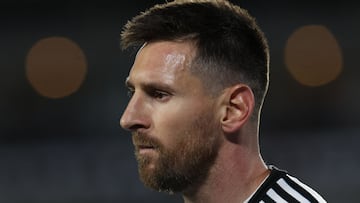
145 147
145 143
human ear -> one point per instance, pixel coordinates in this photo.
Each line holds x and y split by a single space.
239 104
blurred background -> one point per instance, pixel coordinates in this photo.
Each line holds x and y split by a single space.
62 93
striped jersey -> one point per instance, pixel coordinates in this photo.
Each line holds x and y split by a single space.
280 187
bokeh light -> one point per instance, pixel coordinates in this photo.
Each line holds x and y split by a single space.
313 56
56 67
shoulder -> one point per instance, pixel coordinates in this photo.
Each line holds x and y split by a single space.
282 187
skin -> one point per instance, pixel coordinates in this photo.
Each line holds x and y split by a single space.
167 98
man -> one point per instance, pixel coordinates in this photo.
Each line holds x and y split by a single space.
197 86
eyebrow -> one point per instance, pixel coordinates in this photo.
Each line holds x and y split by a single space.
150 85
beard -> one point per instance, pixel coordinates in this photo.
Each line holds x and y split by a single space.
184 166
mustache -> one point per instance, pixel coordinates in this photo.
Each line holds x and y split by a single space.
142 139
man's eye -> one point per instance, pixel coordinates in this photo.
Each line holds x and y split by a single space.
158 94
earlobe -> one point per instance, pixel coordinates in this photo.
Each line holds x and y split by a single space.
239 105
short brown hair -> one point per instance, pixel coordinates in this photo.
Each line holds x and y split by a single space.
231 48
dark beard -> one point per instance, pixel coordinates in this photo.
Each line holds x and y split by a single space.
183 167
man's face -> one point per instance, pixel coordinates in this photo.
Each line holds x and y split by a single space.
172 118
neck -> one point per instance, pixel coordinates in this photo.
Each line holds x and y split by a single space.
236 174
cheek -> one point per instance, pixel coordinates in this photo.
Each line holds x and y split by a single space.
174 123
169 127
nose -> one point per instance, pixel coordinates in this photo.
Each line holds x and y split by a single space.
135 116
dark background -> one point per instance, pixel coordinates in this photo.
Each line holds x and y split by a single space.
73 150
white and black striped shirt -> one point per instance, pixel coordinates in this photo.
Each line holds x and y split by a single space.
280 187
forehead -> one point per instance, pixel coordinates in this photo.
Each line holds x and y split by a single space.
165 58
